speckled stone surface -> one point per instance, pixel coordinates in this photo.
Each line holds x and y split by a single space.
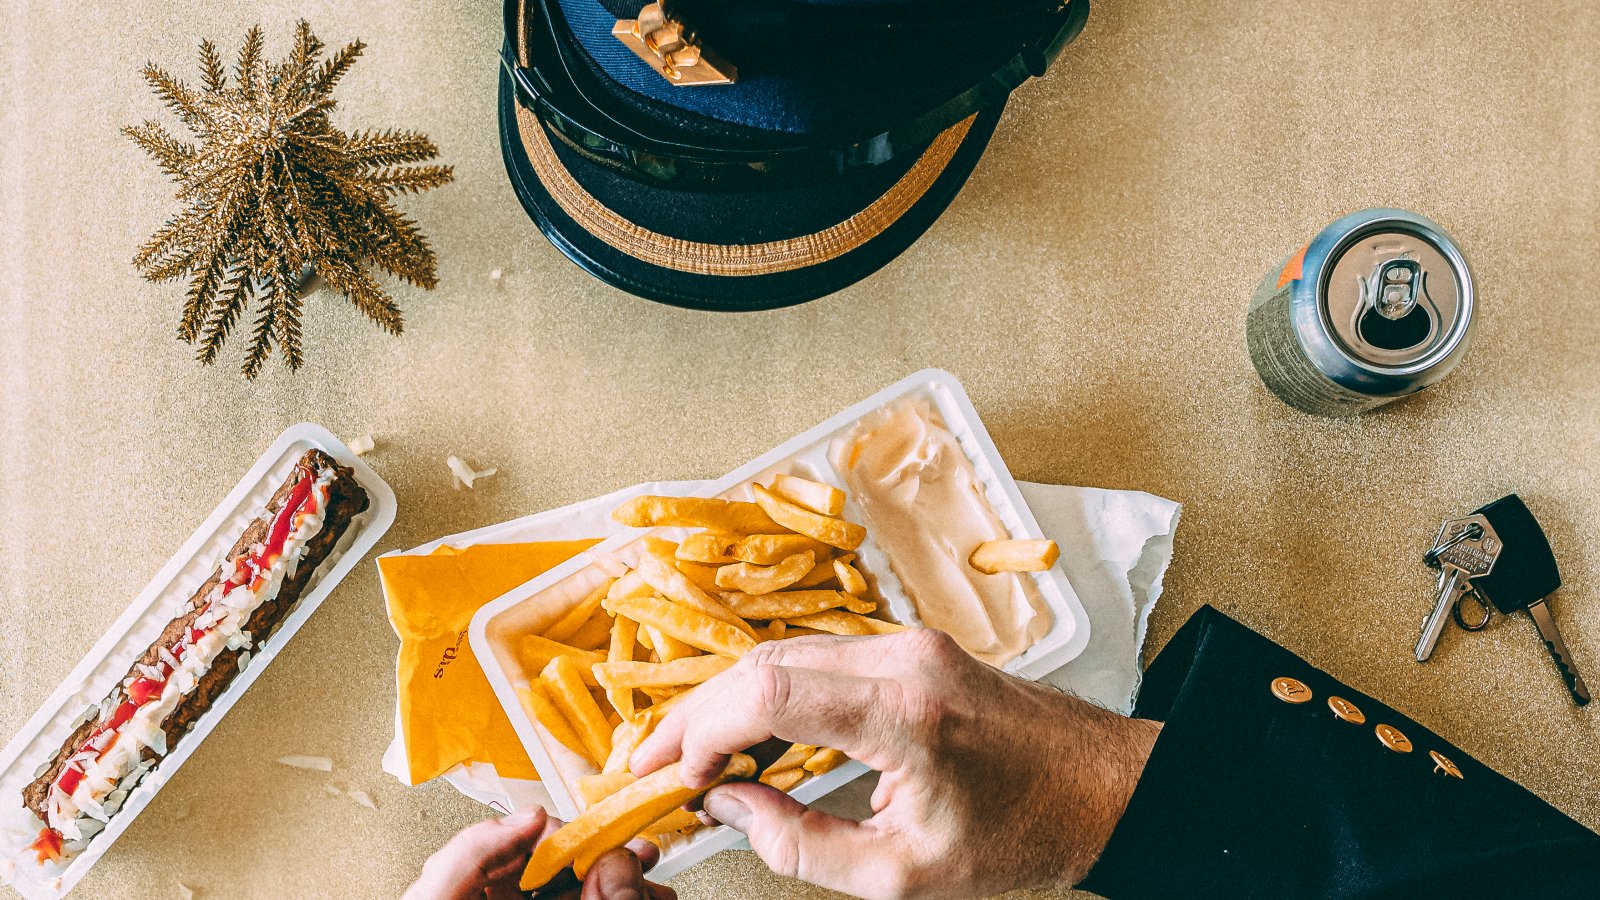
1089 287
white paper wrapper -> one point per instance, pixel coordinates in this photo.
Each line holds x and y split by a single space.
1116 547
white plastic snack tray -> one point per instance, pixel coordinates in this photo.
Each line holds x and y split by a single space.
534 606
110 658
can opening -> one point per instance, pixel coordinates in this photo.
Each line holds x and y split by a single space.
1385 333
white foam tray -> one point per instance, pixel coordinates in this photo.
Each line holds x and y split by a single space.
535 605
127 639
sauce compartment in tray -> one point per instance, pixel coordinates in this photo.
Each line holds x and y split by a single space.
534 606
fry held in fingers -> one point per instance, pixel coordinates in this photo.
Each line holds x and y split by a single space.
994 557
616 819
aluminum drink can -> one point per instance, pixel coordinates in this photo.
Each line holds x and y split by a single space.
1376 307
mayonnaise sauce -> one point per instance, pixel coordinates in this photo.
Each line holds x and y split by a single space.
926 509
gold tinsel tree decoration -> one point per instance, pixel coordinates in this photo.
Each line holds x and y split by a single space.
274 193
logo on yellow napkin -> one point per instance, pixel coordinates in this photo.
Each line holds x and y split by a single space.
449 714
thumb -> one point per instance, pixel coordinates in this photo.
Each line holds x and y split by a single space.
799 842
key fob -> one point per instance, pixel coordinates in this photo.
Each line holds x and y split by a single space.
1525 571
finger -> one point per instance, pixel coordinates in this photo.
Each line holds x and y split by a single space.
852 714
477 858
802 843
867 656
660 891
616 875
649 854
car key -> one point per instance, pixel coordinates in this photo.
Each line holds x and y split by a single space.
1466 548
1524 578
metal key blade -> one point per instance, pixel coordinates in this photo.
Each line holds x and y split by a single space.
1452 584
1551 635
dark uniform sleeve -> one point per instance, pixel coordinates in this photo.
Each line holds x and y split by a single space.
1273 779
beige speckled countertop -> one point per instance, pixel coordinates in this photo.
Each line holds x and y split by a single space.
1089 287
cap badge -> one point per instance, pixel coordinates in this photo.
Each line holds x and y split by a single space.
672 49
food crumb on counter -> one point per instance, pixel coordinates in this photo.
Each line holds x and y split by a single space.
316 763
465 475
362 444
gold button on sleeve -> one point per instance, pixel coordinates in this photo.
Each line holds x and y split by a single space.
1443 766
1346 710
1392 738
1289 690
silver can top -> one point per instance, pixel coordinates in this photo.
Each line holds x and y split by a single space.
1396 295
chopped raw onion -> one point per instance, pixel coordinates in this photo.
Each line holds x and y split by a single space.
464 474
363 798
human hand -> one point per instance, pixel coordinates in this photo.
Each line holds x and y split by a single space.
486 861
989 782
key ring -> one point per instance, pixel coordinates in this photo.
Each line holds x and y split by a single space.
1481 623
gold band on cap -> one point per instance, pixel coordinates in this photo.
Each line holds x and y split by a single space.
698 258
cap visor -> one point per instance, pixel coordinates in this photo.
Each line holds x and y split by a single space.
721 250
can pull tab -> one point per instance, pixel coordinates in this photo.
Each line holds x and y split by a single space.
1394 287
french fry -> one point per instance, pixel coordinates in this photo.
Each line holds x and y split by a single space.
644 638
629 585
753 579
831 531
595 634
837 621
678 820
616 819
792 758
825 760
770 549
710 513
707 547
822 573
563 683
568 625
776 630
629 735
793 604
624 637
785 779
628 675
591 789
688 625
669 648
539 709
536 653
850 578
700 575
994 557
824 499
661 573
660 546
661 696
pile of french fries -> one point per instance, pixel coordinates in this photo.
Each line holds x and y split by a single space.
610 669
780 567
